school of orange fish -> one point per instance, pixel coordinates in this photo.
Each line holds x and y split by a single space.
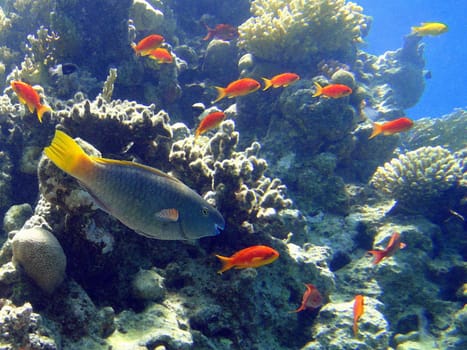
259 255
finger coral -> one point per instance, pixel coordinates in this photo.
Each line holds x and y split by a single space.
303 30
419 179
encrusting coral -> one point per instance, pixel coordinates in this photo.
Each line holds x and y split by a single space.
303 30
419 179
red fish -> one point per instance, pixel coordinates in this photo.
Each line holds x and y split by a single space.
357 312
221 31
160 55
237 88
332 91
393 246
211 121
391 127
311 299
284 79
28 96
147 44
254 256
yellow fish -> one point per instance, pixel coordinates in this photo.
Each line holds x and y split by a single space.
430 28
152 203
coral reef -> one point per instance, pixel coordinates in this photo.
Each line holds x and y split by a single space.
300 31
421 181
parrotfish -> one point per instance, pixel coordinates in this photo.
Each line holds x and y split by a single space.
280 80
393 246
391 127
332 90
221 31
147 44
429 28
209 122
254 256
160 55
28 96
358 309
145 199
311 299
240 87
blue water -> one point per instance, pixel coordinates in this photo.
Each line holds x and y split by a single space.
445 55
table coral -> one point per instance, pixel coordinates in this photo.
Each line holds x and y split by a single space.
303 30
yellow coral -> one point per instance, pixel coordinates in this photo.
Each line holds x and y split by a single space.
303 30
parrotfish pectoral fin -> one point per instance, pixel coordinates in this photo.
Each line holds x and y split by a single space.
267 83
319 90
377 129
167 215
226 263
220 94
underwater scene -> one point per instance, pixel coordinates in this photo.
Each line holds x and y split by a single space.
223 175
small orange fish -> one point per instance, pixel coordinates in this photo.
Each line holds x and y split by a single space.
240 87
221 31
28 96
284 79
391 127
147 44
311 299
161 55
357 312
211 121
393 246
332 90
254 256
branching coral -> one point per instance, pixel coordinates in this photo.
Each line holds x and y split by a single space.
419 179
303 30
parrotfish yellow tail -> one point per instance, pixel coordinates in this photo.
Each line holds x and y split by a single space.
41 110
226 263
69 156
319 90
377 129
220 93
267 83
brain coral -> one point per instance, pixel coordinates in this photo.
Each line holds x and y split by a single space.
41 256
303 30
419 179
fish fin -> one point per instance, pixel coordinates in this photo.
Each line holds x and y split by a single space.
378 254
22 100
377 129
319 90
168 215
402 245
355 328
66 154
41 110
300 308
226 263
267 83
30 106
220 94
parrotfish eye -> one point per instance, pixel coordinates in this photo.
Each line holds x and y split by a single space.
205 211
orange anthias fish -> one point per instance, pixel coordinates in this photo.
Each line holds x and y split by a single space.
357 312
254 256
160 55
332 91
221 31
211 121
311 299
147 44
237 88
28 96
391 127
393 246
284 79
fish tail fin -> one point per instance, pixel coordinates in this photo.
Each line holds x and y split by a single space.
220 94
377 129
355 328
66 154
226 263
198 132
319 90
267 83
378 254
301 308
41 110
414 30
